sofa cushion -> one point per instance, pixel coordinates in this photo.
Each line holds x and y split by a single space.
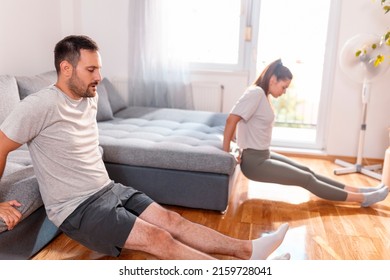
104 111
9 96
167 138
116 101
19 182
32 84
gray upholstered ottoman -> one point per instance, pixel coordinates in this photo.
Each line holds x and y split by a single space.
173 155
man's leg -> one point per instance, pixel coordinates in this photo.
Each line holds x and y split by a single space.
160 243
167 235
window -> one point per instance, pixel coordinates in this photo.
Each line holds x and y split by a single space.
245 35
210 31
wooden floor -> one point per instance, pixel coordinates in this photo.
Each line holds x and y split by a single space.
319 229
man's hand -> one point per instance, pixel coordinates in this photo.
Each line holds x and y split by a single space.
9 214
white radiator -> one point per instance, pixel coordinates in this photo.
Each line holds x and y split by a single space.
207 96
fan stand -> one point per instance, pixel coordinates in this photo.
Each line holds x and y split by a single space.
358 166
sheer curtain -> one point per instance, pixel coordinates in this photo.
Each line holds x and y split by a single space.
158 76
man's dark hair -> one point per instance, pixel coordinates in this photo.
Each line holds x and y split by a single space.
69 49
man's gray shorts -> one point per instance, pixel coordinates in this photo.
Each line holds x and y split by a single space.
103 222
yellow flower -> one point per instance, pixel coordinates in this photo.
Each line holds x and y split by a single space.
379 59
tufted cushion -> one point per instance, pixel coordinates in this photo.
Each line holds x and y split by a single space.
177 115
9 96
19 182
167 138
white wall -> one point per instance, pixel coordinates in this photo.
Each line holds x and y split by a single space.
104 21
28 32
30 29
344 114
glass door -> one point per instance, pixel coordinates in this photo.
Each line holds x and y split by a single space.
298 32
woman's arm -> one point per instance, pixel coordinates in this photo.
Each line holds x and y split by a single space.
230 128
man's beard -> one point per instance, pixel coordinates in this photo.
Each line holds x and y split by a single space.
76 86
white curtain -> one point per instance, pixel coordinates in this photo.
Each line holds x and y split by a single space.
158 76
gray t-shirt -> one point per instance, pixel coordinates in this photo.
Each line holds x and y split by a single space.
254 131
62 136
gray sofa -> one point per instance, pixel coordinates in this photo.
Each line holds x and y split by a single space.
173 155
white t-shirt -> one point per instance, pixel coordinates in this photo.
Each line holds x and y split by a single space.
62 136
254 131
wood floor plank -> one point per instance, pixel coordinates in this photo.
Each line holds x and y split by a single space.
319 229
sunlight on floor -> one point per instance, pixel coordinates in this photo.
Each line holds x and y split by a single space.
276 192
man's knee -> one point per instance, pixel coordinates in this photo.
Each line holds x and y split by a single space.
146 236
161 236
174 218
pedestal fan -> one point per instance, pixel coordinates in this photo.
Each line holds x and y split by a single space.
359 60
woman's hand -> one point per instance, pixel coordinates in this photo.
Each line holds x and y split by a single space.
9 214
237 155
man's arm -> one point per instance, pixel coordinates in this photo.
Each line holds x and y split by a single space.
6 146
9 214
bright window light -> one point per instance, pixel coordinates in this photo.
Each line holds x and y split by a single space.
297 34
205 31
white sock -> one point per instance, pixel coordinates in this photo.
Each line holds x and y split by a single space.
374 197
285 257
265 245
371 189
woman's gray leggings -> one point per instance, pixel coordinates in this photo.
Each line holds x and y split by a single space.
269 167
